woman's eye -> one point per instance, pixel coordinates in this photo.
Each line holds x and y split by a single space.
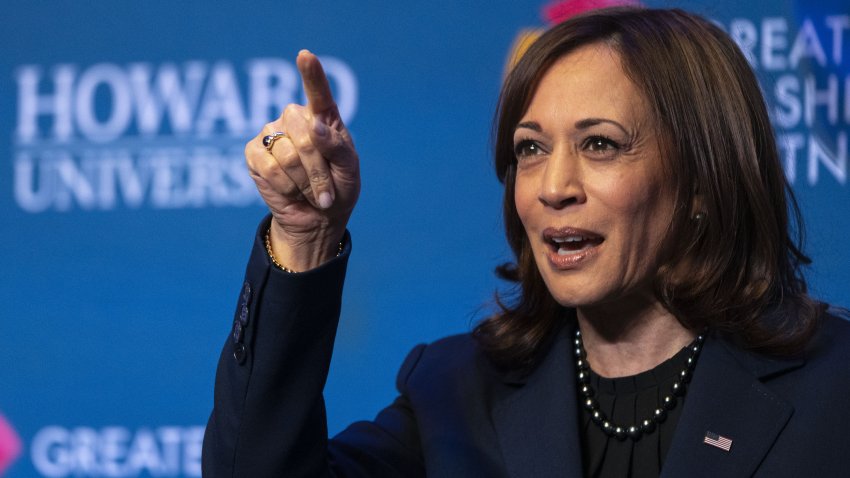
600 144
527 148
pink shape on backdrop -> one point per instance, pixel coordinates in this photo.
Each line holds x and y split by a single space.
10 445
559 11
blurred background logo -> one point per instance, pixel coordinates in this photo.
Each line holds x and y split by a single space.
10 445
552 14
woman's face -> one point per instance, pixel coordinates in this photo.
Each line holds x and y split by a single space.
590 184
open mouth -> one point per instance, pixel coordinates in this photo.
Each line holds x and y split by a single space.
566 243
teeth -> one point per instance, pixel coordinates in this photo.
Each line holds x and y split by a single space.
560 240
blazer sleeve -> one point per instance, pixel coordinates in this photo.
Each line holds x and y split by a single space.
268 418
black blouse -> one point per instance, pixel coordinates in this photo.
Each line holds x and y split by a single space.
630 400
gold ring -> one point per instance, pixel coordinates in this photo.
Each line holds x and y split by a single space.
268 141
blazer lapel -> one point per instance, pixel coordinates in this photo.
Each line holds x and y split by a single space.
727 398
536 417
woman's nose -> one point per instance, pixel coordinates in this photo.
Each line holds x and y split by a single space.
561 183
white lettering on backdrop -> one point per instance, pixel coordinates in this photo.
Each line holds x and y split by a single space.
807 85
58 452
146 135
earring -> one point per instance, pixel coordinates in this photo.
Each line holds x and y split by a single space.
698 217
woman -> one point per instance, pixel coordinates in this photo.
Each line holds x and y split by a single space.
661 324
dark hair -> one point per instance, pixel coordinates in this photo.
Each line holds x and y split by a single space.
737 269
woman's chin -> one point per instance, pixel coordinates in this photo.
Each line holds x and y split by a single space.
575 299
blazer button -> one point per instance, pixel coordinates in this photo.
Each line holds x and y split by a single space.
243 314
246 293
240 353
237 332
242 311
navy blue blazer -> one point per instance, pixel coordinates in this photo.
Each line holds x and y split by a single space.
457 416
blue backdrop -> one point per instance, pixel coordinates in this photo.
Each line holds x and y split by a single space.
127 214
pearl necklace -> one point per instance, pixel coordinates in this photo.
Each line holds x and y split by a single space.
648 425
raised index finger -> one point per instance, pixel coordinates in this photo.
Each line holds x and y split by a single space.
319 97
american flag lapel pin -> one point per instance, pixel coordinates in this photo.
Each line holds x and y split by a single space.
718 441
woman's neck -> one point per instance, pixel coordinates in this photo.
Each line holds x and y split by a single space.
627 340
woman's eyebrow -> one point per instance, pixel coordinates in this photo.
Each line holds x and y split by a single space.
533 126
588 122
580 124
